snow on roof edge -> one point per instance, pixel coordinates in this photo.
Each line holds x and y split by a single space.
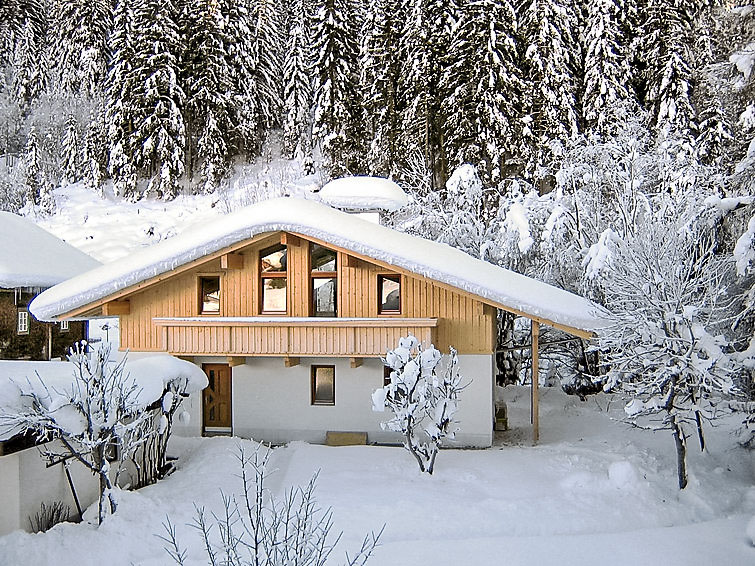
424 257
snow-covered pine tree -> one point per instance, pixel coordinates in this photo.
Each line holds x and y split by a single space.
239 32
206 81
424 41
482 88
81 32
122 106
607 75
337 115
551 57
159 135
381 65
95 150
665 52
32 170
29 74
71 151
297 86
267 75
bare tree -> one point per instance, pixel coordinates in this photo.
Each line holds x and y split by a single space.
258 529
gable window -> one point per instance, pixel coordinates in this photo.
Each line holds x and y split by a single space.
389 294
64 326
273 263
209 295
22 325
323 385
324 280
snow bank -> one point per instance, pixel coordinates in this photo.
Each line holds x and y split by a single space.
364 193
32 257
418 255
55 381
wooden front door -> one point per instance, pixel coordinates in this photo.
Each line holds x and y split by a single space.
216 398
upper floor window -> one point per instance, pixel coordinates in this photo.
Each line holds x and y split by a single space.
389 294
324 280
64 327
23 322
209 295
273 263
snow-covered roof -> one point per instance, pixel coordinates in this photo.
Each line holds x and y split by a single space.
32 257
364 193
436 261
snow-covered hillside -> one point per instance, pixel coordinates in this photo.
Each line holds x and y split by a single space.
594 492
108 227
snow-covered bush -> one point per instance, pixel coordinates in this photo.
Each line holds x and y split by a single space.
422 402
256 528
100 412
666 289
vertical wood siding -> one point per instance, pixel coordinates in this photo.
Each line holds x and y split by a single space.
463 322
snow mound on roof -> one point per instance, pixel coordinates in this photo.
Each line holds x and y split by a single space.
364 193
55 382
418 255
32 257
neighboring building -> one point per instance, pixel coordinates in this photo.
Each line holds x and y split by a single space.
288 306
31 260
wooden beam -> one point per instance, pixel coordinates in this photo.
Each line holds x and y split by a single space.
116 308
289 239
231 261
348 260
234 361
290 362
355 362
535 384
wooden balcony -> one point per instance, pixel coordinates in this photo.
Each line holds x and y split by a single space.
286 336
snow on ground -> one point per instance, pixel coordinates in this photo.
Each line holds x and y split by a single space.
593 492
110 228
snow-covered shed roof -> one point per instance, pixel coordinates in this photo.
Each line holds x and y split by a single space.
32 257
364 193
440 262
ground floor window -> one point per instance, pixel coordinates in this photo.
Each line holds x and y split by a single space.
323 385
23 322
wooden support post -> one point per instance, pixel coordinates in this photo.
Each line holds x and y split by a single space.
290 362
535 384
49 340
355 362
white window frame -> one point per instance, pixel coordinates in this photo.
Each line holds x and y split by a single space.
22 322
64 326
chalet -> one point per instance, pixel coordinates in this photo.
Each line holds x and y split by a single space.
288 306
31 260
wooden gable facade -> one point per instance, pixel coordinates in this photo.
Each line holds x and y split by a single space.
166 313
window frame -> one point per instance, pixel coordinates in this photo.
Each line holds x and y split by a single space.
313 386
395 277
22 322
315 274
200 293
271 275
64 326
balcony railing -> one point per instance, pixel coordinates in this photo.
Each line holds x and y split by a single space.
286 336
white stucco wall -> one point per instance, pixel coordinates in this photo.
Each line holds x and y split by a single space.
25 483
272 402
